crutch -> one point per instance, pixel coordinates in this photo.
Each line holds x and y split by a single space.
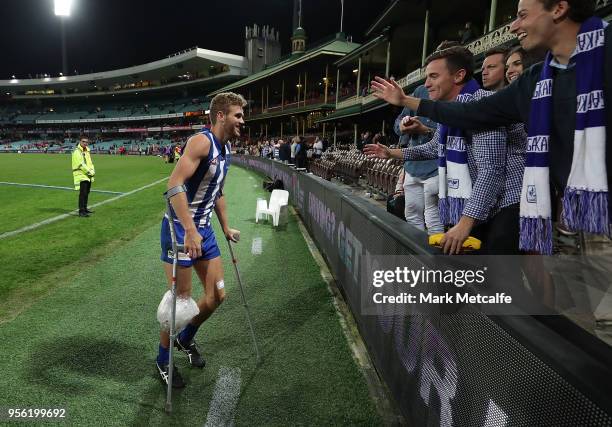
244 301
175 251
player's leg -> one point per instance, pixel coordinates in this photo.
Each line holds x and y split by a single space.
210 272
211 275
183 289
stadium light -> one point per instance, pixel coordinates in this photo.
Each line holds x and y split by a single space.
341 14
62 7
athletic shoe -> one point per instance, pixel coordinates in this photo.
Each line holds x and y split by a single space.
191 350
177 379
83 214
88 211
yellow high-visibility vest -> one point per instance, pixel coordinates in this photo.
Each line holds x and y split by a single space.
82 166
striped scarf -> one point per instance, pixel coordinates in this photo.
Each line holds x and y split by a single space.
453 172
585 200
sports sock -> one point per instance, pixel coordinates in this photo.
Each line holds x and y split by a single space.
163 356
188 333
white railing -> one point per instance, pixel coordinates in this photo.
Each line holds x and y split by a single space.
353 100
493 39
112 119
412 77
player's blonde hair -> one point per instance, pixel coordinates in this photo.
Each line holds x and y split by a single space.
222 102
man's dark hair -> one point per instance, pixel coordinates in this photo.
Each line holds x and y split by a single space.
580 10
497 51
457 58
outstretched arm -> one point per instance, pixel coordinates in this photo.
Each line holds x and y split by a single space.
499 109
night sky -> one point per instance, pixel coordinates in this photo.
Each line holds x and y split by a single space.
109 34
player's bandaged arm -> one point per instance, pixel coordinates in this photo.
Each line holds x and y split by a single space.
196 149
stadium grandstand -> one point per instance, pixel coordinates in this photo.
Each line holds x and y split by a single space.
364 218
141 108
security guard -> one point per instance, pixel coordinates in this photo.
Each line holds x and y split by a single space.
83 172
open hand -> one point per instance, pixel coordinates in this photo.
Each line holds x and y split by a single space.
377 150
388 90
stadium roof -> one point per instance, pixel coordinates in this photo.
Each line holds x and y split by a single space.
338 46
189 61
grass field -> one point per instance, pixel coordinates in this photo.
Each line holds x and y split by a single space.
79 295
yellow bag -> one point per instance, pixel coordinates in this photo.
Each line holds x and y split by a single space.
470 244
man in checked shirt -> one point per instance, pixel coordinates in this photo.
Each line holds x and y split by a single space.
496 169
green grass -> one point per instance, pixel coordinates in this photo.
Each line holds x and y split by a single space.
87 337
31 259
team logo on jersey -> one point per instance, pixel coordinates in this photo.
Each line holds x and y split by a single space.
532 196
214 161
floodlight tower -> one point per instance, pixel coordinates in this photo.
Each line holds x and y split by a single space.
62 9
341 14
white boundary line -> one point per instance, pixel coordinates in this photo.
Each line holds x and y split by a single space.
55 187
225 398
62 216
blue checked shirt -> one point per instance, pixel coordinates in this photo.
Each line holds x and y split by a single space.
496 161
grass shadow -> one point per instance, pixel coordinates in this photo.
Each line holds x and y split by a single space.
68 364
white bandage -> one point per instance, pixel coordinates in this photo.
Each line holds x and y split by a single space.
220 284
186 309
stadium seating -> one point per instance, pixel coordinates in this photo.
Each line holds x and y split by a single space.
351 166
22 114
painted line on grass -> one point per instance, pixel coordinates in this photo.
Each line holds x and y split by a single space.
62 216
257 246
225 398
55 187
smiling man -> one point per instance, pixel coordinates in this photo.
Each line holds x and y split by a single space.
196 189
562 101
479 182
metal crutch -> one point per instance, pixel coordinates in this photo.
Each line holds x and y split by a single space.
244 301
175 251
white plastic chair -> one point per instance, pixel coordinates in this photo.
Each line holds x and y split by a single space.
277 199
262 208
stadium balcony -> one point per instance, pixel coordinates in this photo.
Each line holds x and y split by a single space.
194 67
407 24
288 96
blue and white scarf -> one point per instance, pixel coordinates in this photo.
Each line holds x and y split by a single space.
453 172
585 201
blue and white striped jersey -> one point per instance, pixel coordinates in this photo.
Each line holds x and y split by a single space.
206 184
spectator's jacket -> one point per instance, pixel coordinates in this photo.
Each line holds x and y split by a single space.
423 169
82 166
496 175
